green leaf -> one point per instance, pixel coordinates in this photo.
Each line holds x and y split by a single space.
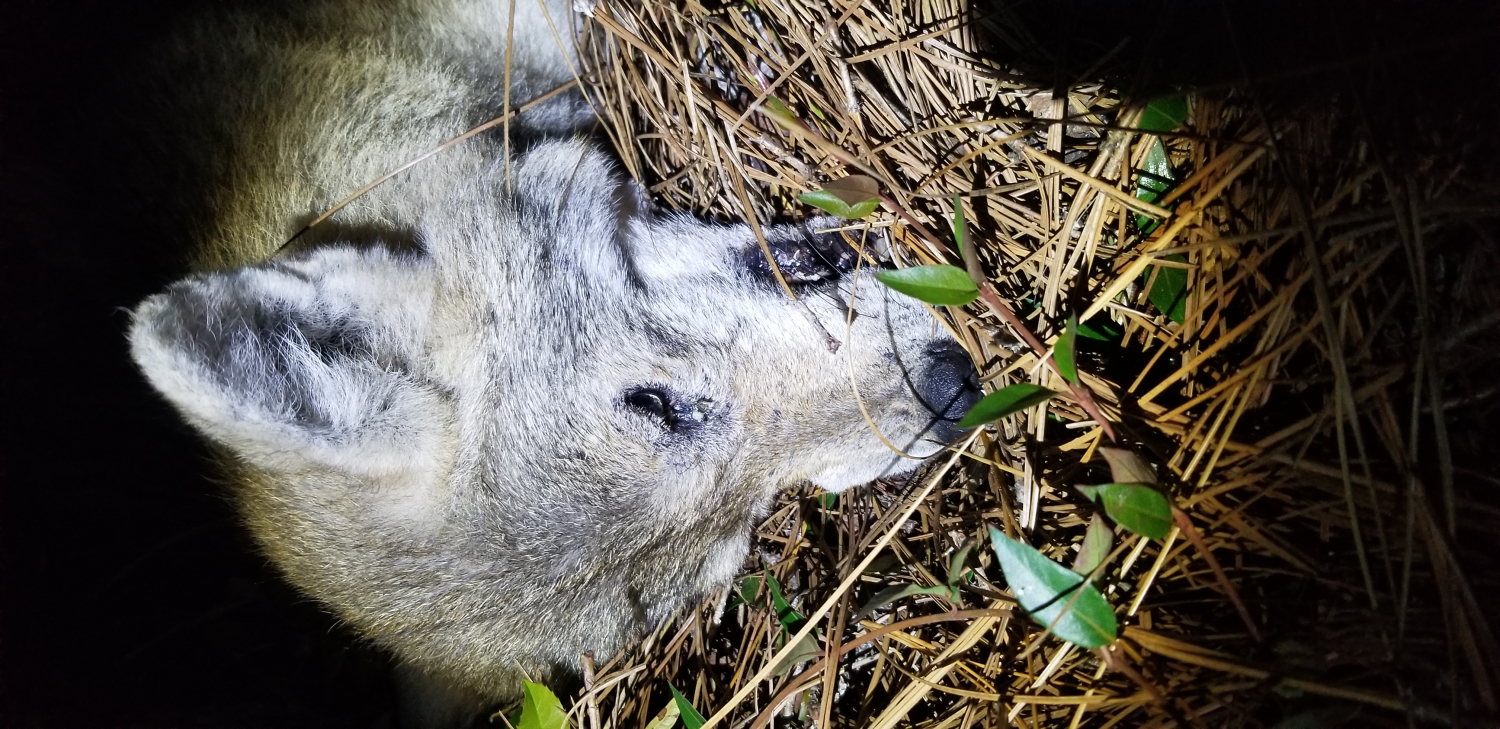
882 564
777 109
1003 402
1062 353
1097 542
805 650
1156 173
940 285
1155 179
851 197
540 708
750 590
1135 506
1164 114
691 719
1102 334
957 564
789 617
828 500
831 204
1169 291
1045 589
1127 467
897 592
958 222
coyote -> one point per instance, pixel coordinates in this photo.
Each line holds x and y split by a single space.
496 413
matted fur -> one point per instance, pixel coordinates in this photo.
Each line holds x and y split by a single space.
501 415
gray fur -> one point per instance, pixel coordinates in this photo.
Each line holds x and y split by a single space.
436 416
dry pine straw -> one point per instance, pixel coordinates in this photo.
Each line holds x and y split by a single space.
1300 411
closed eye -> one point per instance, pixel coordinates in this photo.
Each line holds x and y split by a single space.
804 258
655 404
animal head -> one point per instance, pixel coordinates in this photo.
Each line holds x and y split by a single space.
523 329
555 405
500 414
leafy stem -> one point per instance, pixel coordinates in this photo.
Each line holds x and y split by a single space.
1082 395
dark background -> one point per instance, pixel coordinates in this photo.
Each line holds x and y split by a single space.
128 595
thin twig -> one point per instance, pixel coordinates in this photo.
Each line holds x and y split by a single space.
854 575
1185 524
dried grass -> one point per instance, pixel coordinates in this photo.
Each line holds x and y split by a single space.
1302 415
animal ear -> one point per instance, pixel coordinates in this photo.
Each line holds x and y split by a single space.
305 363
578 206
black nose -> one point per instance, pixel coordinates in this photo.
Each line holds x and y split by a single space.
949 387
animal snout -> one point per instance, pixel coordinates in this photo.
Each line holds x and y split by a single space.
949 387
